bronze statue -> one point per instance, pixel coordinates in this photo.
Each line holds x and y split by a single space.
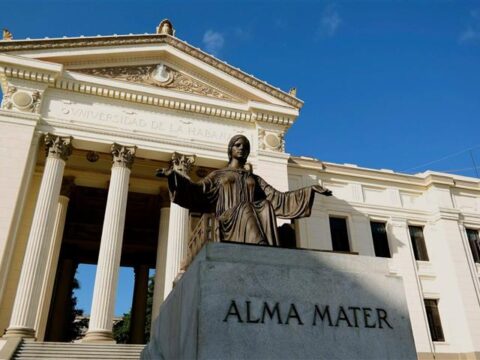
244 204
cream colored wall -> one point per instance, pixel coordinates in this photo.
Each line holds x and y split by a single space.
18 146
443 204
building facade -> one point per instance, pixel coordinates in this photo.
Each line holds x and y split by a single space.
85 123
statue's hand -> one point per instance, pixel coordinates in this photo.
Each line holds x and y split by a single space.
321 190
162 172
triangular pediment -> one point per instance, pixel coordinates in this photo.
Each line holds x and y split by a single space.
134 58
161 76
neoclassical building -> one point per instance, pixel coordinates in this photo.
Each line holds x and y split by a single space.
84 124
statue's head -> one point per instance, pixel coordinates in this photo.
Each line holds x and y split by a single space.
239 140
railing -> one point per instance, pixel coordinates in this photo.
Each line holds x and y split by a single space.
207 230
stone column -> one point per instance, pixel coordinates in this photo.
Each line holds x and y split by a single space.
52 258
27 298
139 305
178 227
158 290
100 328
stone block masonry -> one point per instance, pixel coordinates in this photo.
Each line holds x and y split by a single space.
253 302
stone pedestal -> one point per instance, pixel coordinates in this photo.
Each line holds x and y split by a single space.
253 302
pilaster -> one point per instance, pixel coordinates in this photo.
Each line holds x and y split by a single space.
404 261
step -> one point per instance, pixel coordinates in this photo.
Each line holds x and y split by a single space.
55 350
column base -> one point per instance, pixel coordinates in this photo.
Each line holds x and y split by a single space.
99 336
19 332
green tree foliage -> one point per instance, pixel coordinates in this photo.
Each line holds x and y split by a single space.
121 329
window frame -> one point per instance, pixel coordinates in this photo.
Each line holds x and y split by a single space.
475 255
347 220
416 253
432 328
385 224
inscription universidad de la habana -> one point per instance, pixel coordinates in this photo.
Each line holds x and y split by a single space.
283 314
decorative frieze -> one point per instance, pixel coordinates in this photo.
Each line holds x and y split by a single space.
123 156
59 147
159 75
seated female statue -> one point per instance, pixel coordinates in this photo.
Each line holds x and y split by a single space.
245 205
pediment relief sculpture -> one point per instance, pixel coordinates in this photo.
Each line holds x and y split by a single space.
161 76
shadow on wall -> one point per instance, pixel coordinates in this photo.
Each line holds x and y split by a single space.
250 301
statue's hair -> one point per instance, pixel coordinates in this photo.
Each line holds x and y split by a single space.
233 140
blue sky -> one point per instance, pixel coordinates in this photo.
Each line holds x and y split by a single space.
386 84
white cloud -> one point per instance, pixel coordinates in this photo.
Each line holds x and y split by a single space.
470 35
213 41
329 22
472 32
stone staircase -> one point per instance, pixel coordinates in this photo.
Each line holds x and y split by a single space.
57 350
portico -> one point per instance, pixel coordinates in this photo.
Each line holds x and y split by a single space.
118 115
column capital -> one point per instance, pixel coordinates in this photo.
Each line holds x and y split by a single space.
123 156
182 163
59 147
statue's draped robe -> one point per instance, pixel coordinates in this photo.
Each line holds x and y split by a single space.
244 204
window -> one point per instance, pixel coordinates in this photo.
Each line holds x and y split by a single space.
434 323
338 230
380 240
474 241
418 243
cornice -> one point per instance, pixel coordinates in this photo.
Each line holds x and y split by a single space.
19 118
384 176
26 45
50 77
171 103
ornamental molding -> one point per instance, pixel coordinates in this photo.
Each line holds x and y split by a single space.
271 140
58 147
21 100
165 140
25 45
150 60
159 75
19 73
173 104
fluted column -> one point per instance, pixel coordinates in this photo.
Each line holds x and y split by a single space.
101 317
158 290
29 288
52 257
139 305
177 227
